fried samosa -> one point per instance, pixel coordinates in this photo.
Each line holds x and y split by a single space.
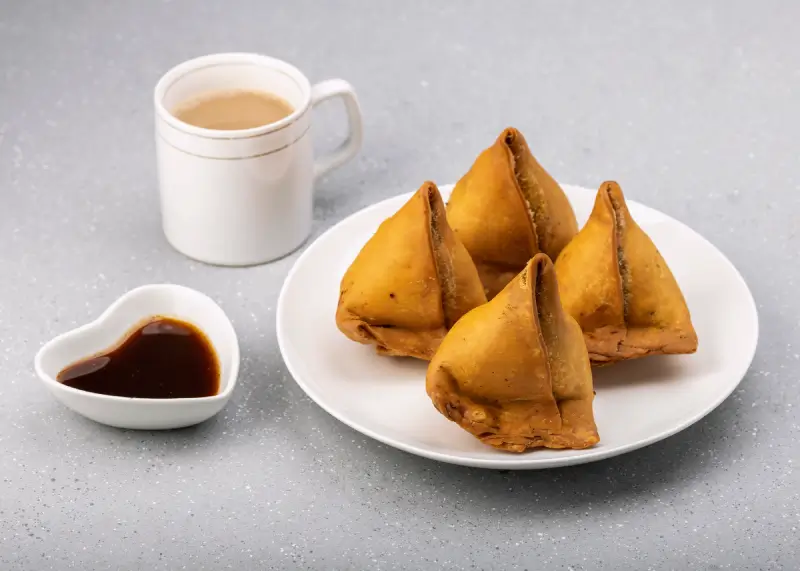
410 282
515 372
506 209
616 285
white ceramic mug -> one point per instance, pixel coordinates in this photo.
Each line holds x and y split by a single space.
243 197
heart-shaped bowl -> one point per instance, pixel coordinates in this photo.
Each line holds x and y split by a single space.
106 332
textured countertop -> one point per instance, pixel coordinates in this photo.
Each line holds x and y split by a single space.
693 108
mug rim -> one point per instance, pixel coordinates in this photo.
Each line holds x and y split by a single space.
175 73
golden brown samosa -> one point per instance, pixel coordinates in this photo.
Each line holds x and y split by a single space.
506 209
617 286
410 282
515 372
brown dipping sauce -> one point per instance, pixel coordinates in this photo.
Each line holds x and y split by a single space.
164 358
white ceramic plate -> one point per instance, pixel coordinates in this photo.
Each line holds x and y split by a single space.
637 403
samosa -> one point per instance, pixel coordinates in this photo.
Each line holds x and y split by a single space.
617 286
410 282
508 208
515 372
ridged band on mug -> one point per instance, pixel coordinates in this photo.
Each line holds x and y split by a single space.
234 147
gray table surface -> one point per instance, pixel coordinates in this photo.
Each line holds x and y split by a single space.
692 106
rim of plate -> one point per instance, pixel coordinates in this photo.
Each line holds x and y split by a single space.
525 461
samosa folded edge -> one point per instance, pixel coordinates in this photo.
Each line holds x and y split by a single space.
410 282
515 372
507 208
615 283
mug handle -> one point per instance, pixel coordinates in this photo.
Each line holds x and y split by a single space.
347 150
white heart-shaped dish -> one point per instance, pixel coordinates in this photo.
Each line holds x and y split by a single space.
106 331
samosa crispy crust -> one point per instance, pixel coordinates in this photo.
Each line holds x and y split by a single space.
619 289
515 372
506 209
410 283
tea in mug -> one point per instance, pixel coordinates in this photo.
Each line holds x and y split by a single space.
233 110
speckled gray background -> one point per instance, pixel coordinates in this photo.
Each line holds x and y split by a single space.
692 106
